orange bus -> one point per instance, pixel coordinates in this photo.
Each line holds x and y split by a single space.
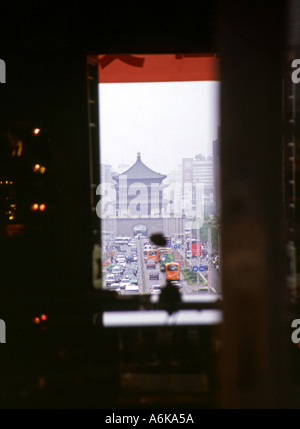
151 254
172 271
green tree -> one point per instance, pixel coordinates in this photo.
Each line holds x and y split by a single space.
213 223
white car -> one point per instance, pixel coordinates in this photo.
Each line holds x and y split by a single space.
122 264
132 289
115 287
110 278
116 270
188 253
123 283
155 289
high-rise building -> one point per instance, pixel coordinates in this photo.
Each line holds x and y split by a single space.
199 170
106 173
216 172
202 170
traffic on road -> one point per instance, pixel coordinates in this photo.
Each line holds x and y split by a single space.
133 265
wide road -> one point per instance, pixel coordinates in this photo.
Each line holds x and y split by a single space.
144 281
212 276
145 284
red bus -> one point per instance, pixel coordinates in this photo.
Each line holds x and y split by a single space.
195 247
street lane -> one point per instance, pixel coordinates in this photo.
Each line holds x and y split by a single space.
211 278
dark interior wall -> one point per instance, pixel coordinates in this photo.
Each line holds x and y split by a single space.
253 234
45 47
48 90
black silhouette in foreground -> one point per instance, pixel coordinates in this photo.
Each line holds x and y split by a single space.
170 297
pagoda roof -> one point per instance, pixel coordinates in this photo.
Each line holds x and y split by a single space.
139 171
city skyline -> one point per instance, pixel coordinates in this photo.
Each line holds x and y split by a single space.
121 168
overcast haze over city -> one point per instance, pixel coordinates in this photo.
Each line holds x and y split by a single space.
165 121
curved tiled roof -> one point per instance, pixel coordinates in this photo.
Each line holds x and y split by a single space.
139 171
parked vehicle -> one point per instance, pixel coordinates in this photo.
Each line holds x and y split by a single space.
116 270
118 278
131 258
110 278
120 258
154 276
115 287
151 264
131 270
156 289
121 240
189 254
132 289
122 264
124 283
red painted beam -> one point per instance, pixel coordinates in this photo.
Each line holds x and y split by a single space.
158 68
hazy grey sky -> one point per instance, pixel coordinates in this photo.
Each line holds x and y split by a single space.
165 121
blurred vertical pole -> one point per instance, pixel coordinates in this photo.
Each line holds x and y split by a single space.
209 256
252 39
